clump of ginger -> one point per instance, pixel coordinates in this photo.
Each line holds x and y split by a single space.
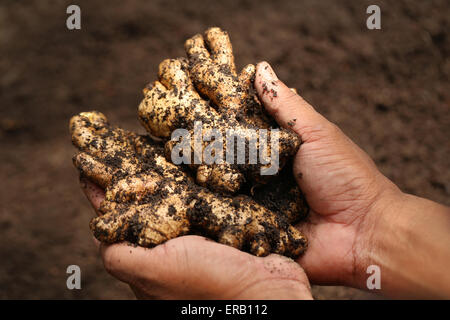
149 200
176 101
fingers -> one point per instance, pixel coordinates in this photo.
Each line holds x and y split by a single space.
288 108
193 267
185 267
125 262
291 280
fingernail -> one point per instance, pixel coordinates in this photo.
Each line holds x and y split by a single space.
267 72
268 81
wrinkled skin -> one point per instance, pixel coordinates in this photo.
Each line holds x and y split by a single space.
174 102
149 200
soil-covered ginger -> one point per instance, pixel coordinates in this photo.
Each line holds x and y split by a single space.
149 200
205 88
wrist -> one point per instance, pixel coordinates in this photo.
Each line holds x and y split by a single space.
406 238
374 233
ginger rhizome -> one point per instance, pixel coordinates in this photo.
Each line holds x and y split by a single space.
205 88
149 200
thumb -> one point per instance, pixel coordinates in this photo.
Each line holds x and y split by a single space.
287 107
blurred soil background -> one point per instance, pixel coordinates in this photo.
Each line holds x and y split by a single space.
387 89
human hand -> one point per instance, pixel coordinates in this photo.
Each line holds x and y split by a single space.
193 267
341 183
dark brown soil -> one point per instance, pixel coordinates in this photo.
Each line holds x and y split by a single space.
387 89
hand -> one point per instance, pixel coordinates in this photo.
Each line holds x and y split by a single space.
341 183
194 267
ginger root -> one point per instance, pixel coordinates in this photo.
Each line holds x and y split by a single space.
149 200
228 102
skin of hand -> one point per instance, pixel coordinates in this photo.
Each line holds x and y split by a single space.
358 216
193 267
